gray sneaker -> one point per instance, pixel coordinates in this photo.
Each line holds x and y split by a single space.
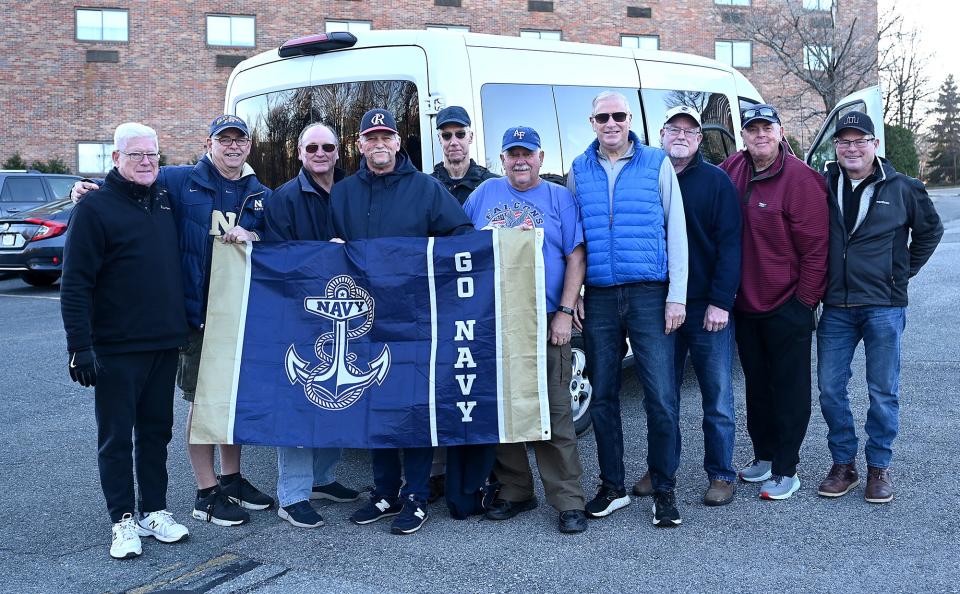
756 471
779 487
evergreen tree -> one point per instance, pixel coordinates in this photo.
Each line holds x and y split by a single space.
944 163
902 150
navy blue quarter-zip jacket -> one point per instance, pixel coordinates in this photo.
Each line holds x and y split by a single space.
299 210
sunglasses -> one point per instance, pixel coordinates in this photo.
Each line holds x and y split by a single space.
603 118
327 147
461 134
763 112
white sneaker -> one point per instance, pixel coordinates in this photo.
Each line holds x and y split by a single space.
162 526
757 471
779 487
126 541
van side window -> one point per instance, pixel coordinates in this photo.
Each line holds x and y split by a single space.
276 120
719 141
560 114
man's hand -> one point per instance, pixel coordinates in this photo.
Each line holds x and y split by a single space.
715 319
238 235
674 315
560 328
579 314
83 367
80 188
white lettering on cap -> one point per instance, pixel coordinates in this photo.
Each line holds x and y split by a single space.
518 134
377 119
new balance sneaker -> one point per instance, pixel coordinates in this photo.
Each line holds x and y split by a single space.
607 501
757 471
126 541
301 514
411 518
334 492
377 508
665 512
240 491
217 508
779 487
162 526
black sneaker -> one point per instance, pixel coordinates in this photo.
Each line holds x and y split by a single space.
665 513
217 509
411 518
301 514
607 501
241 492
573 521
334 492
377 508
501 509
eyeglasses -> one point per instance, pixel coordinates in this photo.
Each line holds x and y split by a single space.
313 147
461 134
227 141
674 131
138 156
603 118
859 143
766 112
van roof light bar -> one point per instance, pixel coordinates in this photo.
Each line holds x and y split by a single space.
317 44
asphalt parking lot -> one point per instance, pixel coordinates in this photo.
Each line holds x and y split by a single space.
56 531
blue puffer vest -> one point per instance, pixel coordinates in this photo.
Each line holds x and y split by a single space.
625 237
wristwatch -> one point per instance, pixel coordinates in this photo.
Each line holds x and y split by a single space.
565 309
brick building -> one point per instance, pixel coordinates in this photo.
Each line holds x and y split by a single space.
71 73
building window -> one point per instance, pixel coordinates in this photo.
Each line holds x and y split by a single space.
734 53
539 34
644 42
454 28
348 26
101 25
817 57
818 4
733 2
225 29
94 157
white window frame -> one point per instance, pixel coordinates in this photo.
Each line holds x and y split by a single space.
334 25
819 5
733 2
101 12
548 34
101 153
234 21
723 51
637 41
451 28
816 57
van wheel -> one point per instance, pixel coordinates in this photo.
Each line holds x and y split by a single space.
581 391
40 279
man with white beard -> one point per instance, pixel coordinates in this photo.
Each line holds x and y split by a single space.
713 217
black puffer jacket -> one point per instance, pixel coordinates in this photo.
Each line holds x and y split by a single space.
463 187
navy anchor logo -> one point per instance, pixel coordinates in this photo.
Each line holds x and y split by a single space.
337 382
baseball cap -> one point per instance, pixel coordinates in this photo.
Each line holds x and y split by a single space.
378 119
221 123
856 120
759 112
682 110
453 115
521 136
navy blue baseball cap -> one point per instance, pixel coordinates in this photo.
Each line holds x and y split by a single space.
225 121
759 112
453 115
521 136
856 120
378 119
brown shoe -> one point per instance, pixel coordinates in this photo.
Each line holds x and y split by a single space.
879 485
643 487
720 492
840 480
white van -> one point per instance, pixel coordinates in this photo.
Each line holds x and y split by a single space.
502 82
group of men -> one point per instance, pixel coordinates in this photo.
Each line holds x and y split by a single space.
651 245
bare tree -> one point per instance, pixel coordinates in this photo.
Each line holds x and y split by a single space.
904 72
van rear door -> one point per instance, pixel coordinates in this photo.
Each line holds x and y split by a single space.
869 101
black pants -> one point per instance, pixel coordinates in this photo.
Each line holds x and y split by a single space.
775 356
134 407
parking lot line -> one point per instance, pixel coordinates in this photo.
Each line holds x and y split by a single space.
29 296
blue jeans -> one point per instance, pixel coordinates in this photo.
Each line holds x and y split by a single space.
712 356
636 311
839 332
393 477
299 469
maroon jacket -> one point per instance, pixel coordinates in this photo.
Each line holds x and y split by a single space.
785 232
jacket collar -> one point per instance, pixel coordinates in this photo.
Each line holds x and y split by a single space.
309 186
593 151
206 174
470 179
775 169
142 194
402 167
693 164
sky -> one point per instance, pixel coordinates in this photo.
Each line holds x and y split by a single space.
937 20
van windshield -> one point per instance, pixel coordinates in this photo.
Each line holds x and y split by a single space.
276 120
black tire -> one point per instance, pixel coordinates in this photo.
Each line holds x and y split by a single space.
581 391
40 279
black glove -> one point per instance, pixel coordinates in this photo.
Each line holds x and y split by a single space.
83 367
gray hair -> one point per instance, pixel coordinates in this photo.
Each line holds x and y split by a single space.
336 139
131 130
610 95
